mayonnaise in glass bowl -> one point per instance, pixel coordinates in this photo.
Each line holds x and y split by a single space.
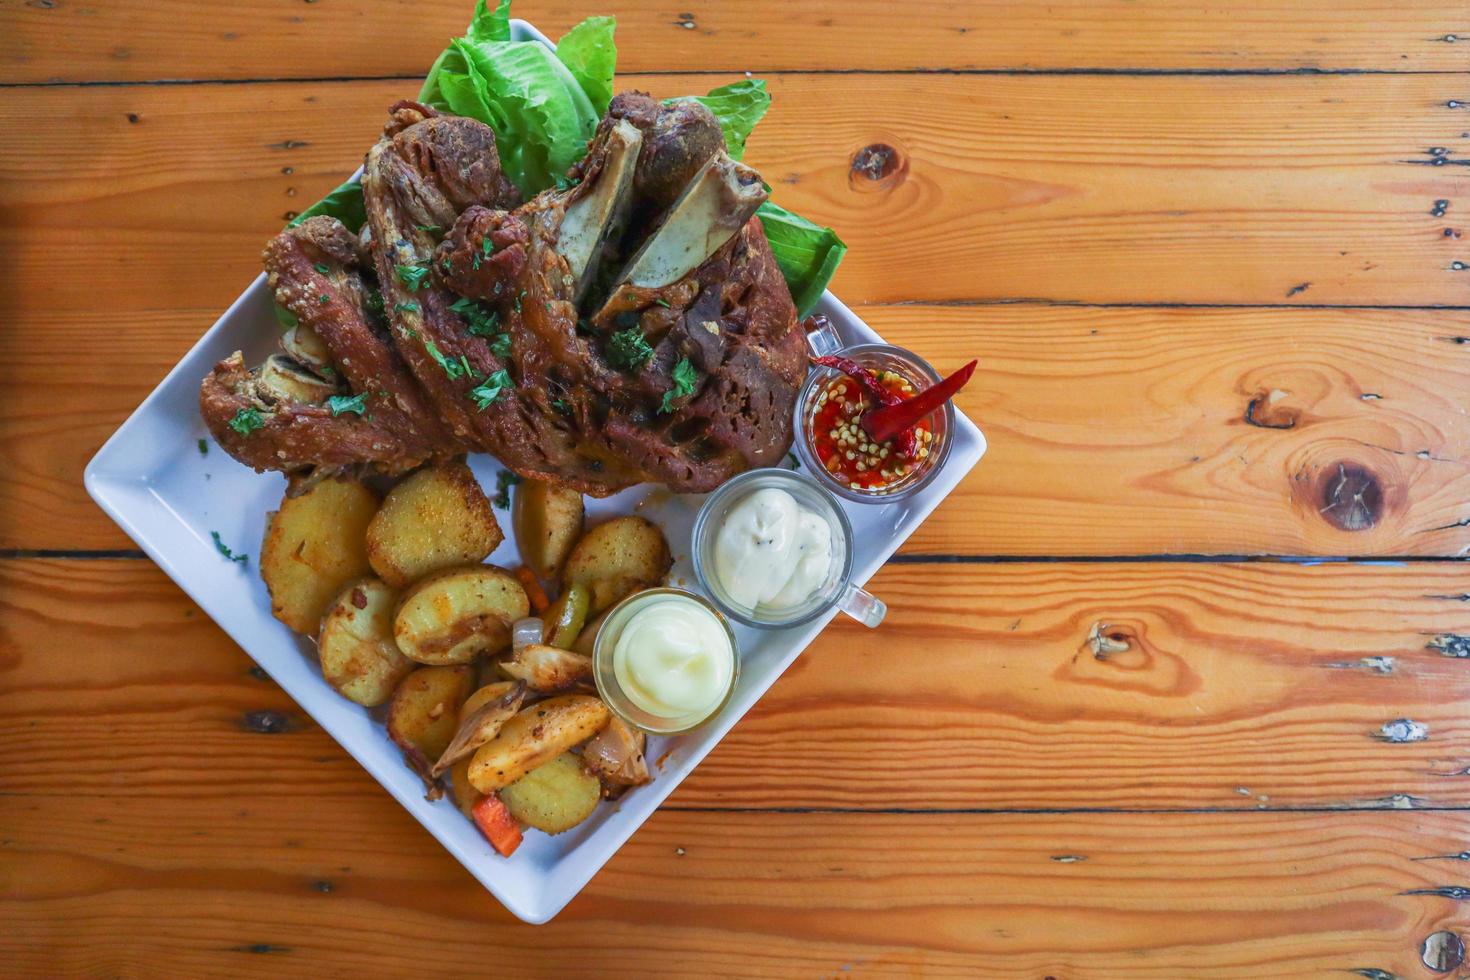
835 586
665 661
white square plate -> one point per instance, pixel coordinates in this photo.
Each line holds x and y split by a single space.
152 480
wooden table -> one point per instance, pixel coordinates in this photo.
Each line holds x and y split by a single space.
1172 687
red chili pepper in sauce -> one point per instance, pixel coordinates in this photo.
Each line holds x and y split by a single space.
891 420
863 376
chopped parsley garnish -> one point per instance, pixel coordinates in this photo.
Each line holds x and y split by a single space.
324 299
628 349
483 321
224 549
662 302
428 227
504 480
342 403
455 369
684 378
486 392
562 405
203 448
375 301
519 296
322 269
409 307
562 182
487 246
411 276
246 421
500 345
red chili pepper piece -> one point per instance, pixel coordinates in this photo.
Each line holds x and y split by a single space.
863 376
891 420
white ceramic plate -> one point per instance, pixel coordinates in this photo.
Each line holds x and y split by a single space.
152 480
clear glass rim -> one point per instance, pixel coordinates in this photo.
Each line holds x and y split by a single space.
619 704
818 374
702 530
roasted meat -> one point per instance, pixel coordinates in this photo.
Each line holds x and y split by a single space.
631 326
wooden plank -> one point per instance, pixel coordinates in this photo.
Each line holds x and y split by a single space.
224 882
1112 431
1045 685
260 39
1237 190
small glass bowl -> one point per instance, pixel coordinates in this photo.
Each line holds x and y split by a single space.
837 590
879 357
606 677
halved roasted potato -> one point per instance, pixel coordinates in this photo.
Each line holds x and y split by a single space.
536 735
424 712
313 546
549 670
547 521
555 796
436 518
617 558
358 655
456 614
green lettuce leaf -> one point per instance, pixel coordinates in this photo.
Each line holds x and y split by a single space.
590 55
807 253
488 25
541 116
738 107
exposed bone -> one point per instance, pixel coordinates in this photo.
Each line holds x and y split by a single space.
599 215
306 346
287 380
716 204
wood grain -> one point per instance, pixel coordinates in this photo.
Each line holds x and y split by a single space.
1236 190
133 40
264 886
1048 685
1112 431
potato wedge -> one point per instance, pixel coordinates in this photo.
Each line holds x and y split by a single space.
358 655
483 723
555 796
535 736
458 613
436 518
547 521
616 559
313 546
549 670
466 796
424 713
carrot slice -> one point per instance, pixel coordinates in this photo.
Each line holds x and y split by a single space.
499 827
534 591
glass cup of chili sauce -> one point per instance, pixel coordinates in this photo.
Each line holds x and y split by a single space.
832 444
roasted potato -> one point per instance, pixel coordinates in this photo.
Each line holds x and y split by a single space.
435 518
424 712
359 657
313 546
536 735
548 670
555 796
547 521
615 756
495 704
617 558
458 613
